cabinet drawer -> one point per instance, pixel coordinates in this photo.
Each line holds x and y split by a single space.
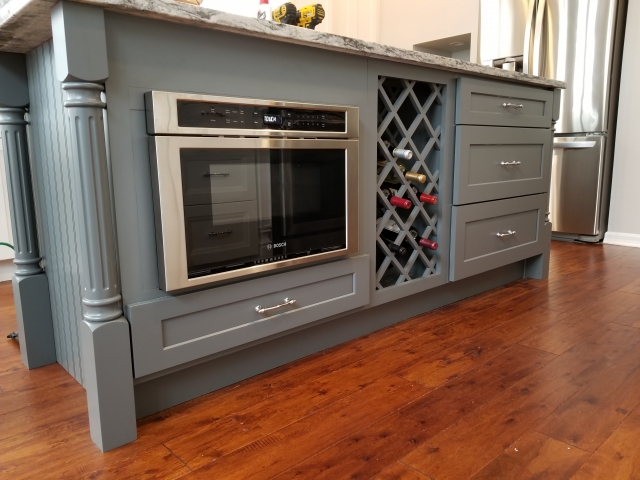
483 102
482 237
496 162
175 330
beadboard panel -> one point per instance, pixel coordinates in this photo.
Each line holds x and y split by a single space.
54 177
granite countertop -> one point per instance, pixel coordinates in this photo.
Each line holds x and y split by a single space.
25 24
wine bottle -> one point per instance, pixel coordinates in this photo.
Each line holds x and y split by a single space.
399 152
415 177
391 230
426 198
430 244
395 200
399 249
393 188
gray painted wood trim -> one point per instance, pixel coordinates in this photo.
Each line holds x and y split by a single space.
557 103
175 330
106 348
30 288
21 204
14 90
509 145
462 267
79 42
480 102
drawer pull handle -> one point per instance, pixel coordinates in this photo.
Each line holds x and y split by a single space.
512 105
215 234
222 174
508 234
508 164
260 309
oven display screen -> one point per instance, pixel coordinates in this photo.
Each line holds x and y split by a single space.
272 119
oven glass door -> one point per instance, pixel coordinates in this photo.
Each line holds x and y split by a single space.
231 207
251 206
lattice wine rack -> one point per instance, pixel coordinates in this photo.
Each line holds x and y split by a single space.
409 118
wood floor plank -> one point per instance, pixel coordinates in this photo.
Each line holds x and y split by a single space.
459 310
633 287
561 336
619 457
470 353
605 401
204 410
205 444
481 436
156 463
535 456
280 451
369 451
400 471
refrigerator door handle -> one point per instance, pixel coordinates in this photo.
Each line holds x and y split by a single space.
587 144
538 47
528 37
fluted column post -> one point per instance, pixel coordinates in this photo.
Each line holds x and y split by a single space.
30 287
104 332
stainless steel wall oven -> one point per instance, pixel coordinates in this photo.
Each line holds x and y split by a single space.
244 186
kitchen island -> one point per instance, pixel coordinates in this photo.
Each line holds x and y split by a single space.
90 283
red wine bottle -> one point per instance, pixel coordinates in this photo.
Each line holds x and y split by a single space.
426 198
430 244
395 200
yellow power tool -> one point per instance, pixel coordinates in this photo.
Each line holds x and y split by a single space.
286 13
310 16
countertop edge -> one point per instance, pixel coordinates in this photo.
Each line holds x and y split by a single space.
20 15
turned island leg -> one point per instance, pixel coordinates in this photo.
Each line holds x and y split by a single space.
30 286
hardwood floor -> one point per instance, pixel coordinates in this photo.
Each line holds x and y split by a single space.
536 379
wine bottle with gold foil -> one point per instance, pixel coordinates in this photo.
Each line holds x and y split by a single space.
415 177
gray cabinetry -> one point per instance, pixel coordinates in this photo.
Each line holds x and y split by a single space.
497 162
176 330
483 102
507 167
492 234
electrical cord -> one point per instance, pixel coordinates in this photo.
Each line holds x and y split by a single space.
7 245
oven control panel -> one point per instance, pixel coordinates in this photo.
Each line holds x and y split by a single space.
213 115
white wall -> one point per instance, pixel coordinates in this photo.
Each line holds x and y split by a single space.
6 254
400 23
624 216
405 23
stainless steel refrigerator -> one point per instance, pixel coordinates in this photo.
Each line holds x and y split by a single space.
579 42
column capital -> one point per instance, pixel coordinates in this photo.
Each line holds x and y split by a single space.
12 116
80 94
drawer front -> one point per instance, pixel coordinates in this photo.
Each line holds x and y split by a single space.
175 330
228 177
492 234
222 231
483 102
496 162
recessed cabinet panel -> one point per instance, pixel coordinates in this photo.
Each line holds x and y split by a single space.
494 162
489 235
175 330
484 102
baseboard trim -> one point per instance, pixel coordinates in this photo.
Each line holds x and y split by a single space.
6 270
624 239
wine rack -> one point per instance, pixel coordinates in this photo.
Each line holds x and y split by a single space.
410 115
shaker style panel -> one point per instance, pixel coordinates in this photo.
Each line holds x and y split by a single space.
489 235
496 162
174 330
219 176
482 102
